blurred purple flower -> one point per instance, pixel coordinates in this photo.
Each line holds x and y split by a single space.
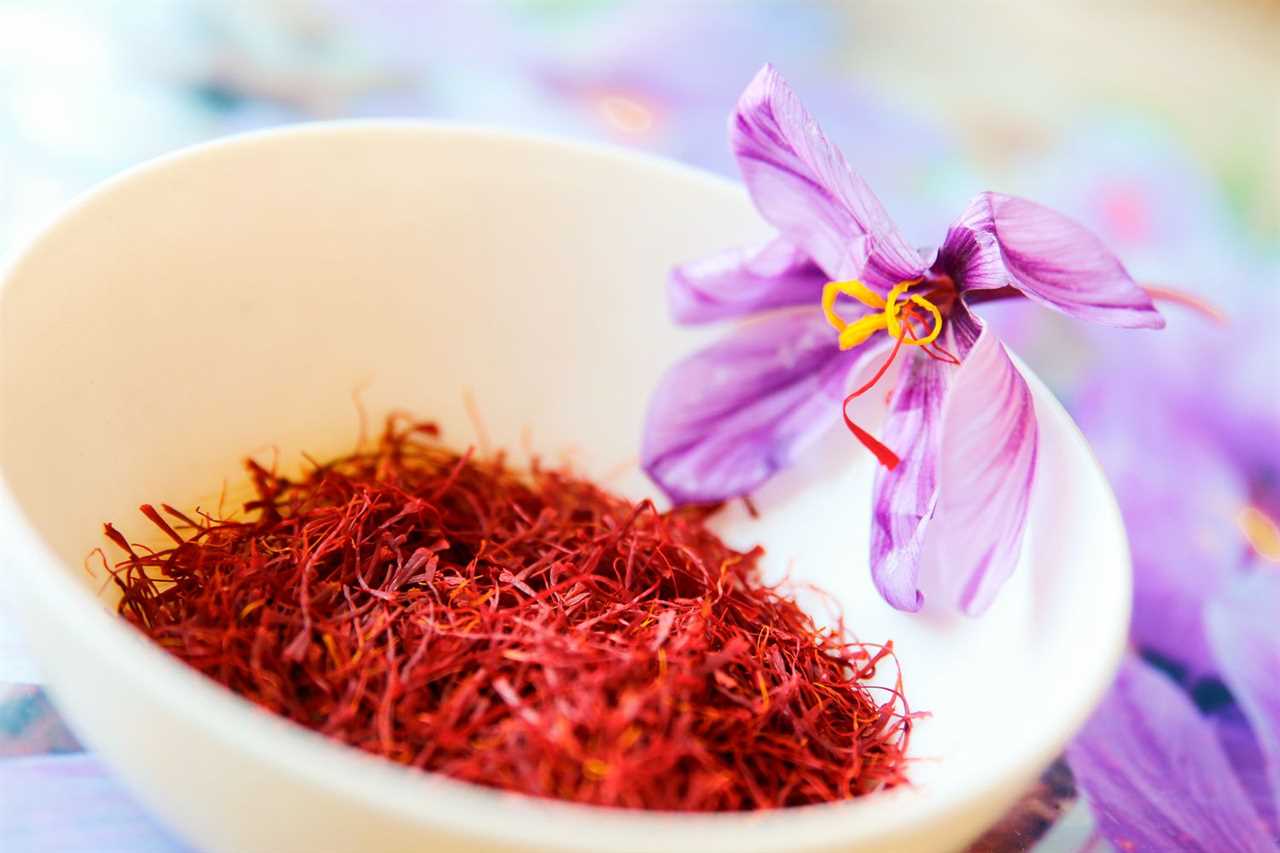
1195 466
1162 773
1155 772
1197 472
1185 754
1242 633
963 440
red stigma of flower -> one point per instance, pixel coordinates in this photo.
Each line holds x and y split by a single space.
911 328
884 455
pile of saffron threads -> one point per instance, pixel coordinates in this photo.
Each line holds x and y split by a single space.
524 630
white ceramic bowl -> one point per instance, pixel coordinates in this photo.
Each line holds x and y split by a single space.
234 295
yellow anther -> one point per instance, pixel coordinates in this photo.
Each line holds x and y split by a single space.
891 307
855 333
855 289
933 333
858 291
1261 531
852 334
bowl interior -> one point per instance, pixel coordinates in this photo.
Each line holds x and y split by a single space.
235 298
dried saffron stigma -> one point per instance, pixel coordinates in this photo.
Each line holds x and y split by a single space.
524 630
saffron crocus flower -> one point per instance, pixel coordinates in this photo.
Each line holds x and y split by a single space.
959 443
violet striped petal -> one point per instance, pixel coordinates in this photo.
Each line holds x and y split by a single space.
986 468
903 498
801 184
970 255
725 419
967 438
741 282
71 804
1241 627
1055 261
1156 776
1249 762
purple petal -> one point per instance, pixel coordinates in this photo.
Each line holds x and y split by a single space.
986 468
727 418
802 185
1241 627
1181 519
1185 543
1155 775
1247 759
741 282
970 255
964 478
903 498
70 802
1054 261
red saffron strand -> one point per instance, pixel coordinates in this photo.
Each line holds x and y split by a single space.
158 520
527 631
883 455
937 353
907 334
880 372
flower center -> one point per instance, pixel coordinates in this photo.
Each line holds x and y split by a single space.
897 316
904 320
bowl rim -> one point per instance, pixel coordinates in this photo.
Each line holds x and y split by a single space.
430 799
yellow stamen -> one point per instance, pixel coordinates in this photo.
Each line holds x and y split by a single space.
855 333
933 333
1261 531
891 310
854 289
891 306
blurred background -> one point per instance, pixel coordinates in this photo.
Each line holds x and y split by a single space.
929 100
1155 123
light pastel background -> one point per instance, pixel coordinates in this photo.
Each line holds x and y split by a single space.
1156 123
